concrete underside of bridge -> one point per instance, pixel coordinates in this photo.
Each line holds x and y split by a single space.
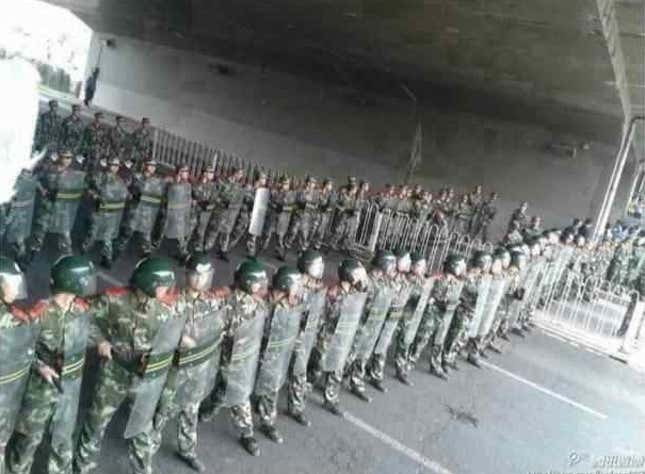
527 97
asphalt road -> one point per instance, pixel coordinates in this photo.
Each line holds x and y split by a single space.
537 408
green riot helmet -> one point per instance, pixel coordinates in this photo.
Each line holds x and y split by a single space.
152 273
353 272
455 265
482 260
419 264
519 259
403 261
504 255
12 281
200 272
287 279
311 262
385 261
250 276
73 274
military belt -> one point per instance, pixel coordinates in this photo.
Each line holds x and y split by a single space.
112 206
196 356
245 354
395 313
25 203
148 199
71 195
179 206
14 376
281 343
73 367
310 206
157 364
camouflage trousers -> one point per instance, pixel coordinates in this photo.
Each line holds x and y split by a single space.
427 327
297 386
355 373
300 230
267 408
220 230
278 226
455 338
106 247
320 231
241 415
376 364
187 419
240 229
39 407
127 232
329 381
113 387
203 220
40 231
344 232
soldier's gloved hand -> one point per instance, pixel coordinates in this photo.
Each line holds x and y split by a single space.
105 350
47 373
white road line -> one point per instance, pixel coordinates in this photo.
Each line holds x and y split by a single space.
546 391
417 457
111 280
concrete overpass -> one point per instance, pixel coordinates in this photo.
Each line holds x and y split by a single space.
528 97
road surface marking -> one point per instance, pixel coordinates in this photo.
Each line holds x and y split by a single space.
546 391
417 457
110 279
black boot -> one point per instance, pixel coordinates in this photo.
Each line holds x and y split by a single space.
192 462
250 444
378 385
300 418
362 395
474 360
222 256
334 409
272 433
403 378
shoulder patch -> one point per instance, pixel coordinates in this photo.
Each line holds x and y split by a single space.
19 314
38 309
81 304
116 291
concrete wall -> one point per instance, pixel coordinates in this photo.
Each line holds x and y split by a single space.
294 124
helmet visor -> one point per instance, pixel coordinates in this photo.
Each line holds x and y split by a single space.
316 269
13 286
201 281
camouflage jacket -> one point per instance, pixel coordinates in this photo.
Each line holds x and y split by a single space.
335 296
444 294
95 143
72 133
205 194
240 307
117 138
50 343
130 321
197 307
306 201
48 129
11 316
141 143
468 296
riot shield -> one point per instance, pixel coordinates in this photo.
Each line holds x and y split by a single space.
240 372
178 211
274 362
143 216
16 356
368 333
259 211
22 210
452 300
335 355
71 376
148 390
483 289
71 186
414 312
496 292
114 195
392 321
197 367
314 306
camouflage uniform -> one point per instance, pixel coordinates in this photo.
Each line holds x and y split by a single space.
455 339
244 218
303 218
48 130
95 145
231 199
244 311
462 216
118 139
20 214
72 133
176 216
13 377
205 196
376 366
277 221
618 267
483 219
312 319
42 407
110 195
62 191
129 321
326 203
346 219
141 144
142 212
192 376
476 202
377 305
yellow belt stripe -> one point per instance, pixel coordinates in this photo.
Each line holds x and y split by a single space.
163 363
5 379
71 368
69 196
198 355
152 199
